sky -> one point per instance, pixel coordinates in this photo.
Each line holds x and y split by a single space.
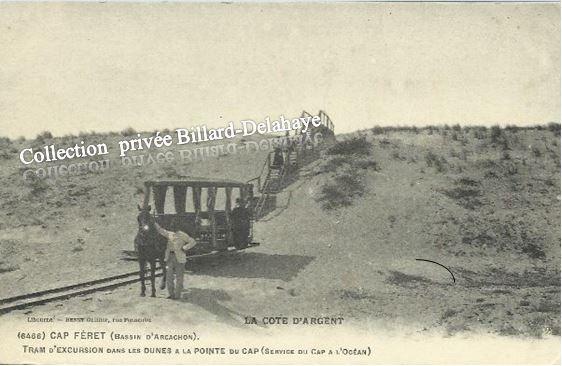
72 67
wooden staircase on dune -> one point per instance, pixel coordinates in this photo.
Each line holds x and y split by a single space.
296 151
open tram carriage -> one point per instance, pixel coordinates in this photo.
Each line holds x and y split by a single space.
203 208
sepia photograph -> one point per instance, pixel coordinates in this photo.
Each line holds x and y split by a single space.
280 183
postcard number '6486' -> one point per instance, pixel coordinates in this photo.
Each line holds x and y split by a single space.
25 335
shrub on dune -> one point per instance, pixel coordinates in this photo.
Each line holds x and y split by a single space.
341 191
554 128
353 146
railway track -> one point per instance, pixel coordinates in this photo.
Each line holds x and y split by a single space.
84 288
65 292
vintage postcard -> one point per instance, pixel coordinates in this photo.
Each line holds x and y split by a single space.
299 183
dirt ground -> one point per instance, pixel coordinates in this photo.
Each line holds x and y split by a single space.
487 210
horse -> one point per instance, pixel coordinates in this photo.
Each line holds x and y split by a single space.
150 246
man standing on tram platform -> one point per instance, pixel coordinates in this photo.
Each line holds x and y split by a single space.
240 224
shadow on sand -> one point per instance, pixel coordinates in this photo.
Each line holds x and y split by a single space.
250 265
210 300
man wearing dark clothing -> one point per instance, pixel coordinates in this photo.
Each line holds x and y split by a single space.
278 158
240 224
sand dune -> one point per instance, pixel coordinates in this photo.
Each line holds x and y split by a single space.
488 208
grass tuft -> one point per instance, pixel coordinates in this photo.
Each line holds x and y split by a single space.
353 146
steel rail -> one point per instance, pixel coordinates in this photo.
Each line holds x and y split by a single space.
83 288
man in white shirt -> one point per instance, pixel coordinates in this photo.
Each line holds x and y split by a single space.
178 243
